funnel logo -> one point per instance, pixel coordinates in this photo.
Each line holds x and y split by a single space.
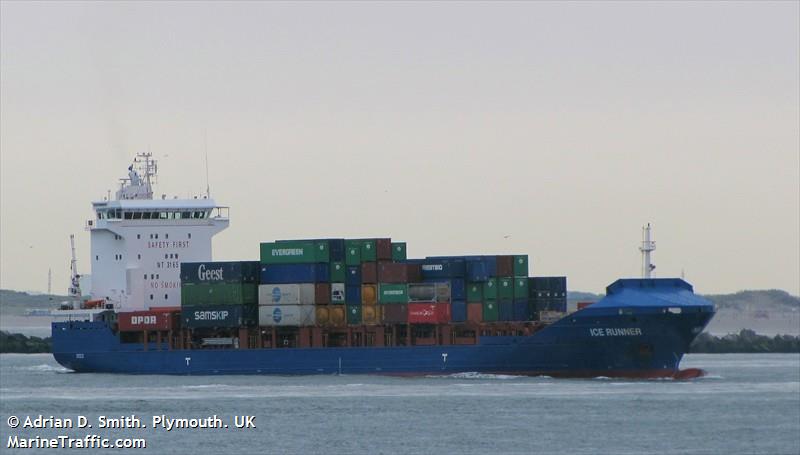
276 294
277 315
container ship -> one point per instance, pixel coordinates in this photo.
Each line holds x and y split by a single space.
156 303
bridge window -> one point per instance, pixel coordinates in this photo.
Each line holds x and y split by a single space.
162 215
190 235
185 215
137 215
166 296
97 258
145 276
151 296
138 256
166 236
128 215
138 236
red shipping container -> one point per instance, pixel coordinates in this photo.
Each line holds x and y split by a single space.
505 265
394 313
383 249
428 313
369 272
322 293
475 312
136 321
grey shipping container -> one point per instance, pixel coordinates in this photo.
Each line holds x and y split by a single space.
287 294
283 315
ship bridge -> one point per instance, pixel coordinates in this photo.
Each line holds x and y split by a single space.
138 243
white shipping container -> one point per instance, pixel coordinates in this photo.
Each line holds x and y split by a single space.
286 315
286 294
337 292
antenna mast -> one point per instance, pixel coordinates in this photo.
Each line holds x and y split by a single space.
75 285
648 246
49 281
205 146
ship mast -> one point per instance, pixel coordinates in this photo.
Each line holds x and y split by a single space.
75 285
648 246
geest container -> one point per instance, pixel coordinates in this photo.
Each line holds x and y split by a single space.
428 313
394 314
392 293
220 272
352 295
353 277
459 311
287 294
286 315
219 294
135 321
295 252
521 265
369 272
399 251
295 273
222 316
395 272
337 293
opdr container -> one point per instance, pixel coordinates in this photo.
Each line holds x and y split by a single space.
433 268
392 293
294 273
287 294
147 320
219 316
219 294
295 252
286 315
399 251
220 272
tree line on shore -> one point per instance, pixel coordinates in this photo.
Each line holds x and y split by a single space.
746 341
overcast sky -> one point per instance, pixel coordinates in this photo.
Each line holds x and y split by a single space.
552 129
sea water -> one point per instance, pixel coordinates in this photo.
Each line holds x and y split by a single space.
747 404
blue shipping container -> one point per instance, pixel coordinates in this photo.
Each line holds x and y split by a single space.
505 310
352 294
295 273
480 269
353 277
441 268
459 311
521 310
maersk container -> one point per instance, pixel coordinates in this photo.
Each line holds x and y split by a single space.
338 272
521 265
287 294
459 311
353 277
394 314
369 272
399 251
352 254
396 272
369 294
392 293
521 310
474 292
521 287
490 289
505 266
295 252
337 293
370 314
352 295
433 268
383 249
222 316
505 310
490 310
219 294
286 315
505 288
295 273
220 272
354 314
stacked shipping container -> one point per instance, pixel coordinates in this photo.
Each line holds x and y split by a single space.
219 294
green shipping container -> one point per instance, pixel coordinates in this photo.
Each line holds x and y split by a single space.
338 272
392 293
354 314
219 294
521 287
369 251
399 251
521 265
490 289
505 288
474 292
353 255
295 252
490 311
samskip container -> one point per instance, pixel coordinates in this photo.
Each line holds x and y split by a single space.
223 316
286 315
295 273
220 272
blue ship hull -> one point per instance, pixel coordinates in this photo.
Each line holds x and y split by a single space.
642 328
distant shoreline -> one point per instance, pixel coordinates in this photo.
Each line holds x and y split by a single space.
744 342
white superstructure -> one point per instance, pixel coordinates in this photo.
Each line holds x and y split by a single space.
138 243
